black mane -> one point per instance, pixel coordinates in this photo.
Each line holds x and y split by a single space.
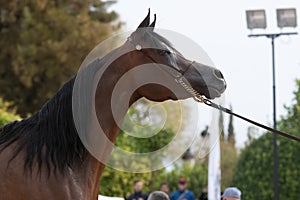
49 137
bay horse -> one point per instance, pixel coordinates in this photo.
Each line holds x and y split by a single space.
43 158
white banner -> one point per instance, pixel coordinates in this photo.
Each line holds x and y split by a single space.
100 197
214 170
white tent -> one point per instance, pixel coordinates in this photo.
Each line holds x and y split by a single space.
100 197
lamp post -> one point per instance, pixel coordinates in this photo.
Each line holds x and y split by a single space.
285 18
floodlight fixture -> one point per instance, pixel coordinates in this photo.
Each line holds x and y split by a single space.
286 17
256 19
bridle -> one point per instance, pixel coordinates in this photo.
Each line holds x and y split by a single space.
201 99
181 73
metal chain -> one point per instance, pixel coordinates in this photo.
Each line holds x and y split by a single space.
196 95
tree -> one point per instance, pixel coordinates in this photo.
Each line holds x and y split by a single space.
43 44
117 183
7 114
228 155
229 159
137 114
231 135
120 184
140 121
196 176
147 145
221 126
125 179
254 171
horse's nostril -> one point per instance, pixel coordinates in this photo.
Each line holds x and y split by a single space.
218 74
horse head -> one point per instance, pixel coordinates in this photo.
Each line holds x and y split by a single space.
151 47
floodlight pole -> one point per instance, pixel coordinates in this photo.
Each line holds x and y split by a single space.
273 36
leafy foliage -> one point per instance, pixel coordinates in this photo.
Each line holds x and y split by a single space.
120 184
6 114
229 159
117 183
221 126
43 44
254 172
231 134
228 151
196 176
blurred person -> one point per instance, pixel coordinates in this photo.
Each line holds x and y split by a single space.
158 195
138 192
231 193
203 195
182 193
164 187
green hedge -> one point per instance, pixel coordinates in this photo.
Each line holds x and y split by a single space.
6 113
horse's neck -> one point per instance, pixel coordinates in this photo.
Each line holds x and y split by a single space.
86 178
92 170
111 108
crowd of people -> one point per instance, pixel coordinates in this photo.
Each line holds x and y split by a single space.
182 192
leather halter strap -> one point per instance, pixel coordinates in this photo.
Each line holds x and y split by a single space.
138 47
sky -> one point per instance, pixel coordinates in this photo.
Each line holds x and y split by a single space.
220 28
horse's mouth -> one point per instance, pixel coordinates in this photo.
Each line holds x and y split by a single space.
212 93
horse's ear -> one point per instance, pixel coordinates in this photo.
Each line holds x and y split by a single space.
152 25
145 23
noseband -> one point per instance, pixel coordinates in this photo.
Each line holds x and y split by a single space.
201 99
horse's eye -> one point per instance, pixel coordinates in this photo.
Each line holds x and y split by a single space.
164 52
